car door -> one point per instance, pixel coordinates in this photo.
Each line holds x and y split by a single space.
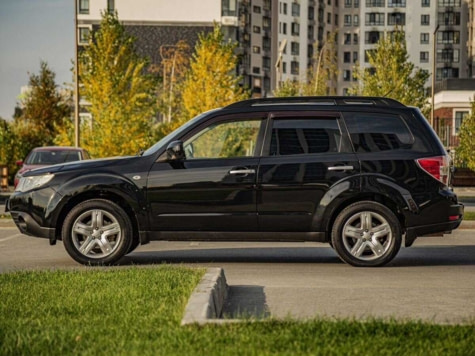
214 187
305 154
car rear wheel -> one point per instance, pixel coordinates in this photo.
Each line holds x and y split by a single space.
366 234
97 232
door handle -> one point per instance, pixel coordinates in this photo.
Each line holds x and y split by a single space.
242 171
340 168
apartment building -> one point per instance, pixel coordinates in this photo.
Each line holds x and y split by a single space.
299 28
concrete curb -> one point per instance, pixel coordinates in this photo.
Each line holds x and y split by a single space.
207 300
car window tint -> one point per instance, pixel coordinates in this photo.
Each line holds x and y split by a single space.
373 132
299 136
224 140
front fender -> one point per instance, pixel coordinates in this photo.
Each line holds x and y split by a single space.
95 186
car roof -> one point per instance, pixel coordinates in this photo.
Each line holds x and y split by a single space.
58 148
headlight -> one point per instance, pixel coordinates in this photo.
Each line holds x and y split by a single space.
33 182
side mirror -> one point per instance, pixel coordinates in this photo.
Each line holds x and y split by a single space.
175 151
19 163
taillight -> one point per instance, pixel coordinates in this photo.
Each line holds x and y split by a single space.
438 167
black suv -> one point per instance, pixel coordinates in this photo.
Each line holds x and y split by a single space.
359 173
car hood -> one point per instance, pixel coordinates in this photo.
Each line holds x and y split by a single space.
79 165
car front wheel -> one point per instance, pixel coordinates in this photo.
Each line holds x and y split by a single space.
366 234
97 232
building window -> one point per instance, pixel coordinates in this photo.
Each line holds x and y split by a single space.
311 13
295 29
355 38
336 20
425 20
446 73
266 43
356 20
294 67
448 37
84 33
374 19
295 48
83 6
425 3
348 3
347 20
284 67
449 18
256 9
266 63
329 18
228 8
256 29
347 75
367 54
396 18
458 118
374 3
347 57
110 6
355 57
347 39
266 22
372 37
346 92
295 9
256 49
284 8
424 57
396 3
449 3
448 55
256 70
424 38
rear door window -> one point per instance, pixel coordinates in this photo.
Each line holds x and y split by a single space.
304 136
374 132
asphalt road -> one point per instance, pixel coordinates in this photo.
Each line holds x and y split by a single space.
433 281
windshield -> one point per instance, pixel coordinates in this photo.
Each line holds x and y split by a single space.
177 132
52 157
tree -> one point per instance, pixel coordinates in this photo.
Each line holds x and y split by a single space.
211 81
391 74
120 92
466 146
173 68
321 78
43 109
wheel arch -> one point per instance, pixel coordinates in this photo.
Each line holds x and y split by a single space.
379 189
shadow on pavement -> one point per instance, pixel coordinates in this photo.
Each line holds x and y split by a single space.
407 257
246 302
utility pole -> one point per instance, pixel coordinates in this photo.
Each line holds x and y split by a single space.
76 77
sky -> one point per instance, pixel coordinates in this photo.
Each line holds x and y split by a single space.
32 31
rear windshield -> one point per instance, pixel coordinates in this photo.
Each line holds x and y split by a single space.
52 157
374 132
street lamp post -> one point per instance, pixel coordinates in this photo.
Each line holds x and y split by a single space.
434 60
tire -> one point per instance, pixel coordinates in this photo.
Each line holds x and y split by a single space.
366 234
135 243
97 232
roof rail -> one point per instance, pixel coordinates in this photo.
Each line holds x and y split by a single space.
318 100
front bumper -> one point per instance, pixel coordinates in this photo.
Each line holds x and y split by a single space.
28 226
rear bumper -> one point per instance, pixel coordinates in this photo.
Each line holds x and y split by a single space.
445 227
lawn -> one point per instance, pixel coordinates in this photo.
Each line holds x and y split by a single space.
137 311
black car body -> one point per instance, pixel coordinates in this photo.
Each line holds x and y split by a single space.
359 173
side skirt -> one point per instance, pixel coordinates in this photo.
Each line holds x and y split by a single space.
147 236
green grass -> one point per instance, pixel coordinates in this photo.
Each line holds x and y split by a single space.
469 215
137 311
